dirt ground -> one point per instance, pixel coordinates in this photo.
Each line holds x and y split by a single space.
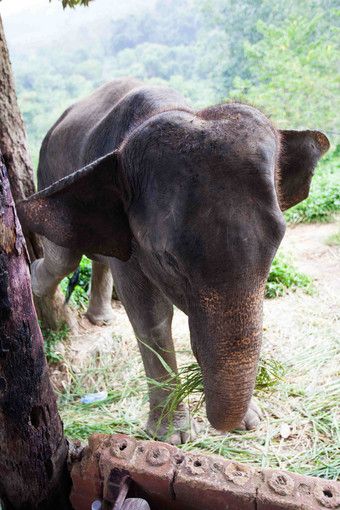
298 316
313 256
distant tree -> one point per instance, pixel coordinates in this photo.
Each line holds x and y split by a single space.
243 39
74 3
294 73
226 25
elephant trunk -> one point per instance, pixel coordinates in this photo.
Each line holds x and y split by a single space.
226 336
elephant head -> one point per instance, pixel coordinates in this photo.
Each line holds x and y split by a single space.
198 198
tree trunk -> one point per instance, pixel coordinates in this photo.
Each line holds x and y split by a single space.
33 450
13 141
13 145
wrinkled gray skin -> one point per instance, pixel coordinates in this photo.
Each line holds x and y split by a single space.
185 209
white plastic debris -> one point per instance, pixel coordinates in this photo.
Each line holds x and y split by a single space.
94 397
96 505
285 430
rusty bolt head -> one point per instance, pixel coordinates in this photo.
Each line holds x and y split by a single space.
281 483
217 467
157 456
327 495
178 459
195 465
238 474
120 448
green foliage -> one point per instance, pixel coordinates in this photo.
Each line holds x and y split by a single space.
269 373
85 273
51 338
159 46
324 197
74 3
293 72
226 25
283 275
276 54
79 297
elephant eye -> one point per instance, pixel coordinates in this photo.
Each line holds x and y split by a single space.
166 259
170 260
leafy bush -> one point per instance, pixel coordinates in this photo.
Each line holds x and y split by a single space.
283 275
51 338
79 296
324 197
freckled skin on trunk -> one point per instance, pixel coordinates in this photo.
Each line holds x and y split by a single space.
226 335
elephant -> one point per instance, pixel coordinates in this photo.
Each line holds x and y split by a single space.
183 207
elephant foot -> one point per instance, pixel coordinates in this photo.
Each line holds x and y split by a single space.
179 428
252 417
101 317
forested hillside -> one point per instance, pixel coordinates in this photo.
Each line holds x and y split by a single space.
280 55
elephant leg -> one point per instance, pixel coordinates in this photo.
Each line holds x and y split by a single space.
99 310
47 273
150 314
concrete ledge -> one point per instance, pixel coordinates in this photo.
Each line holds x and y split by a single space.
172 479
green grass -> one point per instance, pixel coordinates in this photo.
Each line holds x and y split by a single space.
283 276
334 240
51 338
309 407
120 375
305 397
187 385
79 297
324 197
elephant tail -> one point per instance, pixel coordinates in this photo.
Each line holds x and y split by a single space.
73 282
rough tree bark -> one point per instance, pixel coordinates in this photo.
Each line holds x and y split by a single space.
13 141
33 450
13 145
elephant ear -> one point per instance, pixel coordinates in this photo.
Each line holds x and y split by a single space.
83 211
300 152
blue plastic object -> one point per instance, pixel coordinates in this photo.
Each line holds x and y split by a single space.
94 397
